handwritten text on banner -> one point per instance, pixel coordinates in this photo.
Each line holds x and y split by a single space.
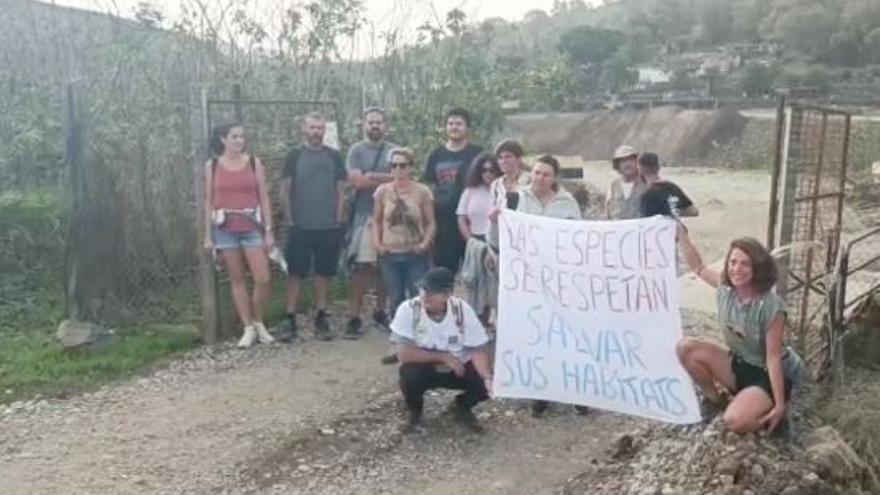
589 315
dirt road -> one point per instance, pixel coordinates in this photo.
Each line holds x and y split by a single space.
312 418
321 417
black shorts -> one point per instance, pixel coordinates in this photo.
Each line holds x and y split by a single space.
748 375
320 247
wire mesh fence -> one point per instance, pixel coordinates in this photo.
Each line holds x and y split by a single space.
131 256
809 223
135 254
272 128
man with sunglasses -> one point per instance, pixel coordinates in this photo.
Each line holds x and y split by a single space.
445 172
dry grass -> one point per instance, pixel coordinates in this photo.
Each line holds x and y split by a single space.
853 408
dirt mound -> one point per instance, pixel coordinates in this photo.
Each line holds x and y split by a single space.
669 461
676 134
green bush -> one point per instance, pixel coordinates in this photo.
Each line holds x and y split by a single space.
32 240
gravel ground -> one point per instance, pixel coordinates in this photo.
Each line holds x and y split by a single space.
320 417
186 428
313 417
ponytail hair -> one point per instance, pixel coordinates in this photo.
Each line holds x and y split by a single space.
215 144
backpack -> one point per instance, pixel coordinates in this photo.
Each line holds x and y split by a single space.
457 312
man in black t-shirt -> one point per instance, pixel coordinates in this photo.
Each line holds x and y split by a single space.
445 172
662 197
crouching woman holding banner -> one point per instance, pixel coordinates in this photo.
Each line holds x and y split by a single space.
752 317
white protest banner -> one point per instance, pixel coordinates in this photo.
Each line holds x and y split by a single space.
588 315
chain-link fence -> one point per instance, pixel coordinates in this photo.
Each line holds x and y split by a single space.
135 241
131 253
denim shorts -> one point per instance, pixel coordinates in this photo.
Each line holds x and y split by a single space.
234 240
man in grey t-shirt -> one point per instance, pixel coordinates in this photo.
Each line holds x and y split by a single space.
367 168
311 203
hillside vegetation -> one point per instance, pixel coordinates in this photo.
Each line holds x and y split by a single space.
140 68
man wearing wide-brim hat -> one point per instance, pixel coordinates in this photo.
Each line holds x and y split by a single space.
625 193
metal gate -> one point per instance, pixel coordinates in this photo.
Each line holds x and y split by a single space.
806 212
272 128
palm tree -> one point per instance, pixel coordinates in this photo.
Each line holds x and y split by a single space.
455 20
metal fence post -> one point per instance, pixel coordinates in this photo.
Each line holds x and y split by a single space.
74 158
207 277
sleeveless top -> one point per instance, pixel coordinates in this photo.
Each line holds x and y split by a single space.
621 206
236 190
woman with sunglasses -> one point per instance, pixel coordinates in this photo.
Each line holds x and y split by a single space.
473 223
404 228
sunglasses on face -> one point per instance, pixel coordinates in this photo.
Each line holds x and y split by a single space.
399 164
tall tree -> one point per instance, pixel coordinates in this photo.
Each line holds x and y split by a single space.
716 20
807 29
590 46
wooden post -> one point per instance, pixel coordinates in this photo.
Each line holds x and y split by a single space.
207 277
775 174
73 156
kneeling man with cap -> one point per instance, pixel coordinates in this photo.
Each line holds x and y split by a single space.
441 344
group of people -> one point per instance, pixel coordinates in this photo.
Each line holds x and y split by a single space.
408 240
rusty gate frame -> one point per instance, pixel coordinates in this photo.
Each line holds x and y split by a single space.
810 284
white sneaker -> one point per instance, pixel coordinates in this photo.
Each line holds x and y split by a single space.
248 337
263 335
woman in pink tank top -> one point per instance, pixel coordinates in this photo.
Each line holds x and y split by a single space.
238 225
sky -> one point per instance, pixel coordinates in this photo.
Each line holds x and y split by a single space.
377 11
381 15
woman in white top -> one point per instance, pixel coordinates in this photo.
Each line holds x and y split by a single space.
545 197
505 189
473 223
515 176
476 200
